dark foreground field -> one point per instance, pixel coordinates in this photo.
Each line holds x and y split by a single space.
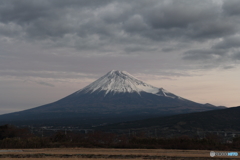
110 154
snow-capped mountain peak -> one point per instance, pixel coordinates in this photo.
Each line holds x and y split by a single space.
122 82
116 94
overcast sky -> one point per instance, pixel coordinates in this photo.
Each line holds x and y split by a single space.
52 48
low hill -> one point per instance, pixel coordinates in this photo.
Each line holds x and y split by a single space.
225 119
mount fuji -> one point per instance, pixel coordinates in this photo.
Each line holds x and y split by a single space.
117 93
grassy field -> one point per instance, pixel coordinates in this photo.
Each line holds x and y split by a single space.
110 154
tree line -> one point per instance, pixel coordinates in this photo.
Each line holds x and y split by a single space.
14 137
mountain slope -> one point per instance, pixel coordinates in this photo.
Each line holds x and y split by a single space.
225 119
115 94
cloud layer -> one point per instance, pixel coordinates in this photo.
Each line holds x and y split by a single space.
209 30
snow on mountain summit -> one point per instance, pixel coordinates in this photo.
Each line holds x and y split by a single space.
121 82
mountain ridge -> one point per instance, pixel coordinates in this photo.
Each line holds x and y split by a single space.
117 93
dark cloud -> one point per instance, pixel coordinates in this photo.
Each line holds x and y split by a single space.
207 54
45 83
228 43
212 29
179 14
138 48
236 56
111 27
228 67
104 22
23 12
168 49
231 7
